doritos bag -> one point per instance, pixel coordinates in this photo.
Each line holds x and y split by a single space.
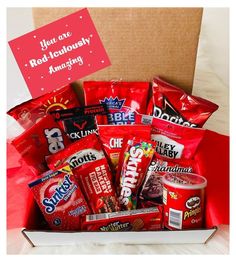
30 112
123 99
172 104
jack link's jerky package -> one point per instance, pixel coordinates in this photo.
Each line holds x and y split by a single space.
173 141
136 156
113 136
39 142
58 195
123 99
79 122
172 104
96 181
85 150
31 111
152 188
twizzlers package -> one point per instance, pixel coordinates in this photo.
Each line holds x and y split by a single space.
134 161
79 122
152 188
85 150
30 112
172 104
123 99
96 181
173 141
60 199
112 138
39 142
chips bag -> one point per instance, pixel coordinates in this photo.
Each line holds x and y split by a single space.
30 112
40 141
172 104
123 99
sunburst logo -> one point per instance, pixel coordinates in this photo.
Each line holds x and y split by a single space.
53 104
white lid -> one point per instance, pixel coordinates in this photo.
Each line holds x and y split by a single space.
184 181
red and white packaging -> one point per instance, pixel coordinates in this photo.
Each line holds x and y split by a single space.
173 141
152 187
85 150
96 181
171 103
59 198
136 156
183 198
31 111
123 99
146 219
112 138
40 141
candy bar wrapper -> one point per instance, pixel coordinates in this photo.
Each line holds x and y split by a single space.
152 188
85 150
136 156
147 219
174 142
112 138
40 141
30 112
123 99
79 122
96 181
60 199
171 103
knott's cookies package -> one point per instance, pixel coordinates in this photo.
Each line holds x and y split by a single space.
85 150
173 141
172 104
79 122
133 220
60 199
40 141
123 99
112 138
30 112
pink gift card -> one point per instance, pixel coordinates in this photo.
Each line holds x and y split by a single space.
59 53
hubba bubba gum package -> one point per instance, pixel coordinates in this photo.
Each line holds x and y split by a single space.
173 141
79 122
40 141
146 219
171 103
112 138
30 112
96 182
60 199
123 99
135 158
85 150
152 188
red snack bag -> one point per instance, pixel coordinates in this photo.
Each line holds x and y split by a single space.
152 188
31 111
59 197
183 198
112 138
79 122
85 150
146 219
40 141
123 99
173 141
171 103
96 181
136 156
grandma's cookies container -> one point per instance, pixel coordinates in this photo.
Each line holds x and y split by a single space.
183 198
